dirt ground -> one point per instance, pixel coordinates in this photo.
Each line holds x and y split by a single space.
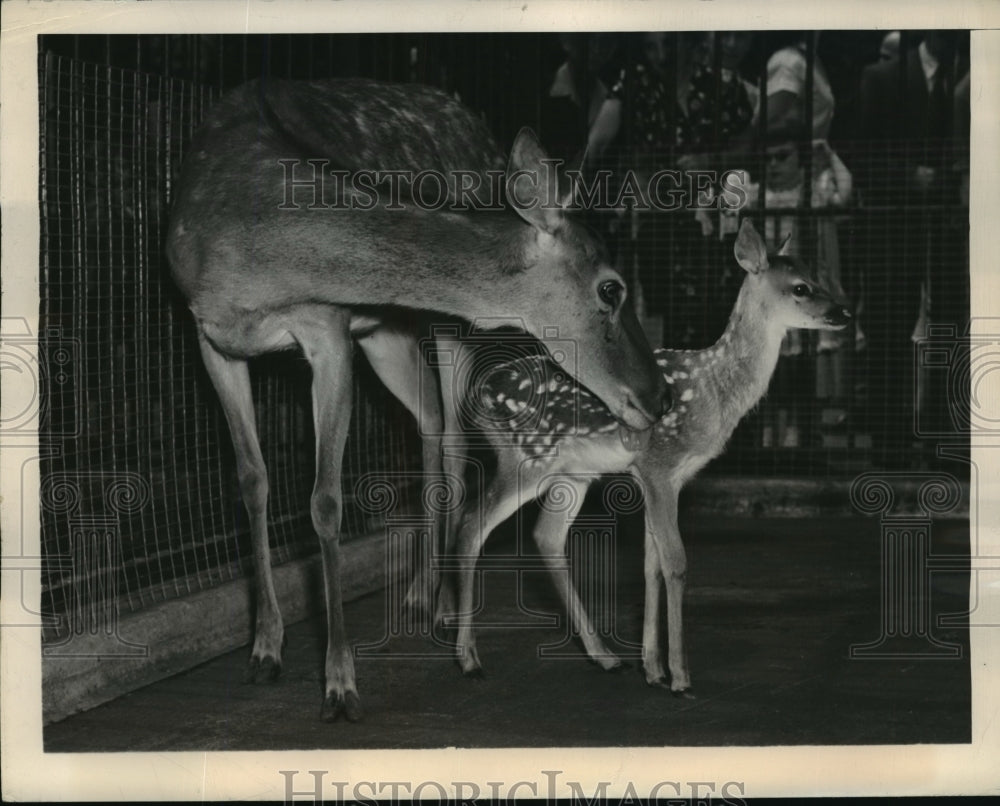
773 608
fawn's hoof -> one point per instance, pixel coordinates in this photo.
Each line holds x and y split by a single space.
336 703
475 673
618 667
681 692
262 670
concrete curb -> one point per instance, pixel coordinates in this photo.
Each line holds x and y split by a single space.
814 498
181 633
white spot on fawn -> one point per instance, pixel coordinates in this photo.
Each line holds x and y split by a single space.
511 404
668 378
524 384
687 394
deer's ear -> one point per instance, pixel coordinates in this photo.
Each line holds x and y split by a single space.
532 183
783 249
750 251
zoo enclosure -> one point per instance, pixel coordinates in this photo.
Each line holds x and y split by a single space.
135 446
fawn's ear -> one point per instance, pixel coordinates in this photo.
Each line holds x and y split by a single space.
750 251
783 249
532 183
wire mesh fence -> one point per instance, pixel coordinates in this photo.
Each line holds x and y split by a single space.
135 432
132 428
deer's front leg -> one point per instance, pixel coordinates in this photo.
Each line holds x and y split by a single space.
665 537
652 659
231 379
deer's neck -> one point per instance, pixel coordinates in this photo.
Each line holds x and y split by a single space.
462 265
745 356
459 265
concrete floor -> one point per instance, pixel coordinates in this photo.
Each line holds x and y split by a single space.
773 607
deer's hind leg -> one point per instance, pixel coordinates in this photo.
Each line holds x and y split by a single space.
231 379
551 532
327 345
480 517
394 353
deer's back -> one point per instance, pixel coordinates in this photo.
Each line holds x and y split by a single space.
232 179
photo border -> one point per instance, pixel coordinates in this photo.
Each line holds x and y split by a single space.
31 774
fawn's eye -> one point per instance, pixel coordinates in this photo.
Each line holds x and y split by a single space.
801 290
611 292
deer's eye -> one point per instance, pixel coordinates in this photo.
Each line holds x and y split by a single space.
611 293
801 290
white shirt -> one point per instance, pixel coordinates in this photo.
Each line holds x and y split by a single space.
929 64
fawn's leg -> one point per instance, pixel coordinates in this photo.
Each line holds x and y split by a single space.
394 353
231 379
478 520
327 347
551 531
454 456
652 660
662 532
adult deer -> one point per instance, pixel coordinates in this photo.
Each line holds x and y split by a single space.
563 434
264 270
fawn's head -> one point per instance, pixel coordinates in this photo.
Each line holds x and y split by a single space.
572 289
792 294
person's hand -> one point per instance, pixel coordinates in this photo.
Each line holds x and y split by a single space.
704 218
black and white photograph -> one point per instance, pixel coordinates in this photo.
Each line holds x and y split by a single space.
486 401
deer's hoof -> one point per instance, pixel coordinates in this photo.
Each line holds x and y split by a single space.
336 703
617 667
682 693
262 670
475 673
659 682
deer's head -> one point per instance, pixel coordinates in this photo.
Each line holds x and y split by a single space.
572 292
793 294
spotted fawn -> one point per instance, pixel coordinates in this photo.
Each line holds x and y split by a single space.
549 430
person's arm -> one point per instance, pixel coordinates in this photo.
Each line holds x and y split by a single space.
841 180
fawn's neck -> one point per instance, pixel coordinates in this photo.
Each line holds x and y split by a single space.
745 356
